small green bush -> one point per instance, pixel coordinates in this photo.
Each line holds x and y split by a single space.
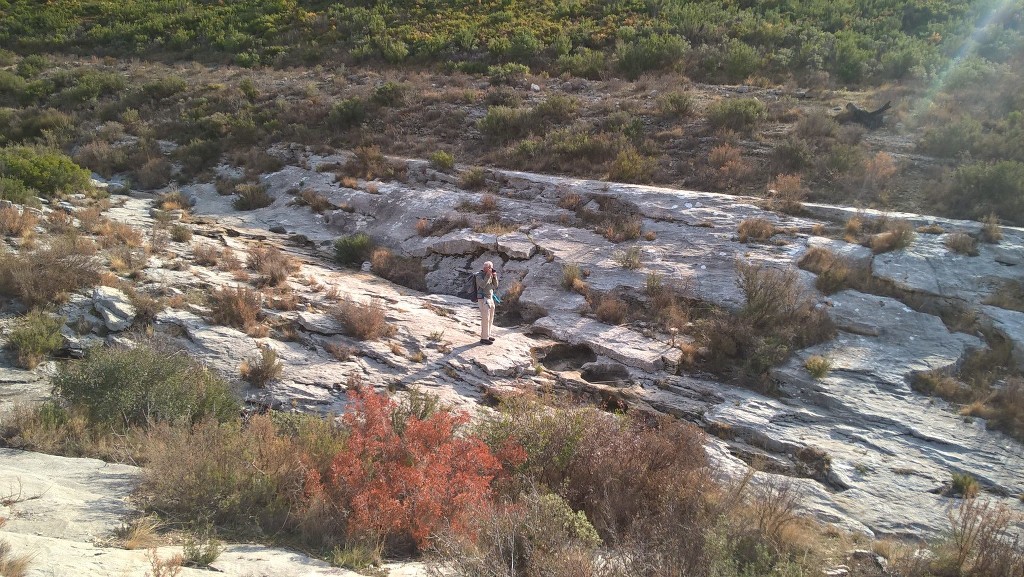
818 366
251 197
35 336
181 233
677 104
147 384
442 160
346 113
631 166
510 73
473 179
353 250
964 485
262 370
389 94
16 191
740 114
981 188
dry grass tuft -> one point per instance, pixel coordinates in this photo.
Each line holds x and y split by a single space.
755 229
962 243
787 193
272 263
834 272
140 533
611 310
406 271
262 370
365 322
990 230
317 202
237 307
120 234
173 200
1008 295
897 234
46 276
818 366
11 565
15 221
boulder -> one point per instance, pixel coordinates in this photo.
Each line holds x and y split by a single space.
114 307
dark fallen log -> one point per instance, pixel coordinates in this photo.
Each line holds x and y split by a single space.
871 119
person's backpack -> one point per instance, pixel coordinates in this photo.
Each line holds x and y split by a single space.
469 289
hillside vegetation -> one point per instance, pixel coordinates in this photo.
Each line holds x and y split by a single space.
419 78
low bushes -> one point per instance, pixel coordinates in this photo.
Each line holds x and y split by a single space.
15 221
35 336
49 172
739 114
777 318
897 234
151 383
834 272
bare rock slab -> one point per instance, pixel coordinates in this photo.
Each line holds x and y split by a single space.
615 342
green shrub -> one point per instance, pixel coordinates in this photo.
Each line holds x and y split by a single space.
251 197
631 166
818 366
353 250
163 87
510 73
389 94
262 370
740 114
654 52
31 65
964 485
473 179
677 104
740 61
181 233
35 336
150 383
16 191
442 160
982 188
583 63
50 172
346 113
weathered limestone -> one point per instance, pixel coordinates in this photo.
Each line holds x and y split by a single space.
114 307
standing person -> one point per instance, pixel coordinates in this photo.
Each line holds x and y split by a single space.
486 281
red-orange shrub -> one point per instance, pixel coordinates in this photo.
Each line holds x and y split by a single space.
402 476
